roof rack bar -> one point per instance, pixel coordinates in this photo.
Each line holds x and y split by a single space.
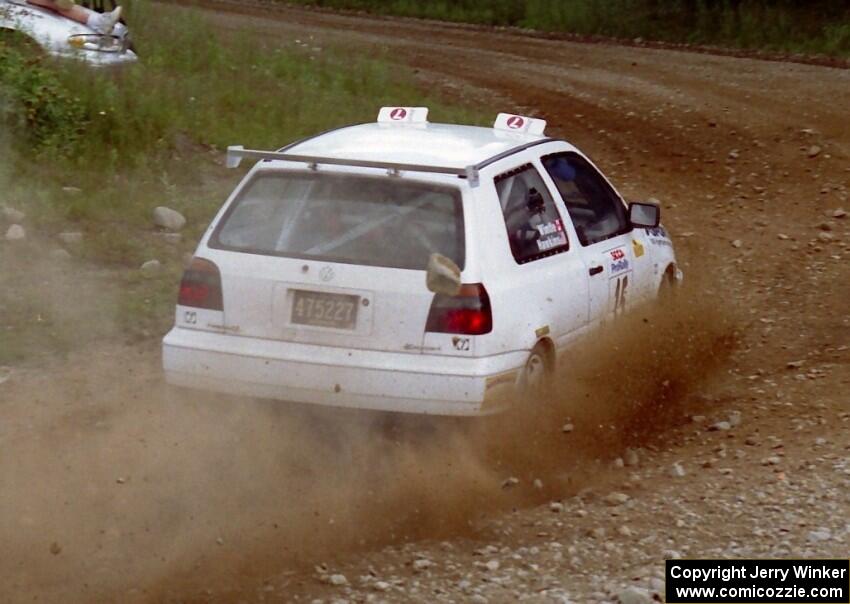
236 153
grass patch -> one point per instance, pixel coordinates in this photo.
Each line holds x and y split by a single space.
819 26
197 84
94 151
125 138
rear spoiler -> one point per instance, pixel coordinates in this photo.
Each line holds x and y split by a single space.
236 153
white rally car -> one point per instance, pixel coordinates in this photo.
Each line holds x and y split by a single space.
62 37
409 266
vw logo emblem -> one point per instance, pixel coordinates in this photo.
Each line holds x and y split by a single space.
326 274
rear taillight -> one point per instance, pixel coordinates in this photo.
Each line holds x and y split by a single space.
466 313
201 286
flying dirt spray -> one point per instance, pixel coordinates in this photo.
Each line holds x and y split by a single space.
122 490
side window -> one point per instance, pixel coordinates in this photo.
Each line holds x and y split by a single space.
595 209
535 228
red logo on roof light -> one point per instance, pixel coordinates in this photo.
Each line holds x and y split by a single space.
399 113
515 122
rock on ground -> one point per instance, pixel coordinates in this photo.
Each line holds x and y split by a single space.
614 499
151 266
13 215
338 580
16 233
70 237
168 219
634 595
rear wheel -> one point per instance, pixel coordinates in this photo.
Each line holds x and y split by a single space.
536 379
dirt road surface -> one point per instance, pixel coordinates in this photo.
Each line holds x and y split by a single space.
717 428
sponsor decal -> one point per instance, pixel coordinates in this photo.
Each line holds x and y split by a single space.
618 254
658 231
460 343
515 122
399 113
554 241
619 266
550 228
422 348
620 295
637 246
501 379
230 328
658 236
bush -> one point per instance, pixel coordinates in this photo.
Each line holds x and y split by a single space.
837 38
194 86
143 135
36 106
819 26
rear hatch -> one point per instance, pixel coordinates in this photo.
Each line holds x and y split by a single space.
334 259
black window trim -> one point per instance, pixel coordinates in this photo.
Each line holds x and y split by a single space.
628 229
548 253
492 160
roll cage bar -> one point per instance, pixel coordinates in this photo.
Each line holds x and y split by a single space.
236 153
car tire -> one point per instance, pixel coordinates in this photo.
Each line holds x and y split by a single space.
536 378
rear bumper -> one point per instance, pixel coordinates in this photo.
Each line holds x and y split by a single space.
384 381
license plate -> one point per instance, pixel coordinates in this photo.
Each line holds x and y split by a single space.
324 310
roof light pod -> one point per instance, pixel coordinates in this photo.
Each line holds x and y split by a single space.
403 115
519 123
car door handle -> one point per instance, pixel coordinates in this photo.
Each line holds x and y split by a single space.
595 270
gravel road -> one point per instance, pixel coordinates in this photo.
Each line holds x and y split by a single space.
716 428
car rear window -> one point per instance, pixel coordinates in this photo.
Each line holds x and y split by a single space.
377 221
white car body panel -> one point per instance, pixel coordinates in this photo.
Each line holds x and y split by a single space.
51 31
260 287
327 375
388 361
539 285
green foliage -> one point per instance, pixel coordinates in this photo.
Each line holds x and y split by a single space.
95 150
837 39
125 136
818 26
195 87
493 12
35 103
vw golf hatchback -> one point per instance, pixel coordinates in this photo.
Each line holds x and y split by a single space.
411 267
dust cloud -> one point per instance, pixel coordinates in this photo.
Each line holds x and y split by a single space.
115 488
